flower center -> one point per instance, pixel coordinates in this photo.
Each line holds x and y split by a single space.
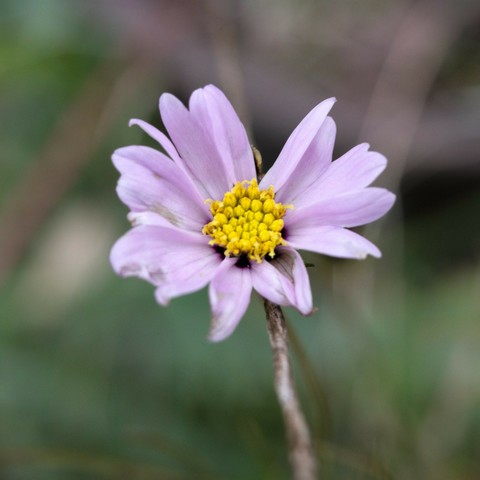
247 221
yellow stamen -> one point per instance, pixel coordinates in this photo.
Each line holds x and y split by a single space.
247 221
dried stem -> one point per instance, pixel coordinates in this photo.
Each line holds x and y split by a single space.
301 455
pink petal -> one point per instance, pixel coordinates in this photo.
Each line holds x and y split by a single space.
310 168
296 146
349 210
212 110
152 182
291 263
353 171
333 241
284 280
147 218
200 157
230 291
188 278
174 260
160 137
271 284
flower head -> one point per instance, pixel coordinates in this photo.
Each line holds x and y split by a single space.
200 216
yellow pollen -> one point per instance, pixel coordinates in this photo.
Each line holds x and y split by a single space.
247 221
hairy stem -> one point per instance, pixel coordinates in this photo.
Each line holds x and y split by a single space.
301 455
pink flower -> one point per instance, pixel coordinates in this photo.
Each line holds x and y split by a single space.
199 217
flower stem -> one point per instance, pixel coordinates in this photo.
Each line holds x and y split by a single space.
301 455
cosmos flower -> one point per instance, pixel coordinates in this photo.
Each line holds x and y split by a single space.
200 216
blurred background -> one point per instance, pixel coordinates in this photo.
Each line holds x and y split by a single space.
99 382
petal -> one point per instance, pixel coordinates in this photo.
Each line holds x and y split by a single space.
174 260
284 280
150 181
230 291
159 136
353 171
310 168
188 278
290 263
296 146
349 210
147 218
271 284
212 110
333 241
199 156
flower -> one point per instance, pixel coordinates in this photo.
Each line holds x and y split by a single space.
201 217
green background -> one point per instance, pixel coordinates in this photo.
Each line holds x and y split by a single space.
97 381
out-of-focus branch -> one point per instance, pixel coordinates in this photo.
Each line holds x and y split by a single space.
419 47
224 35
289 58
69 148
